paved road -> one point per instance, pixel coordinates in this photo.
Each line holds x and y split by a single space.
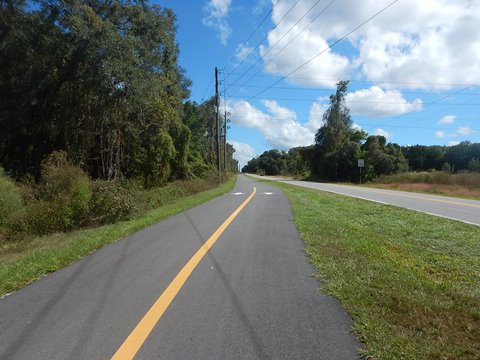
454 208
251 297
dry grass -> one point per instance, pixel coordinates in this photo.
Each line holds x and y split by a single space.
449 190
466 185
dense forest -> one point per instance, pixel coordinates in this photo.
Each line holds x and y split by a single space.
338 147
96 125
99 80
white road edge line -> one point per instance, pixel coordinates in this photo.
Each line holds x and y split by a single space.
385 203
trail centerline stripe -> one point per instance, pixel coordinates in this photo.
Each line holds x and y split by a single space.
137 337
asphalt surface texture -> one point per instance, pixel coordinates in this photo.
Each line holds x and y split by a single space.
252 296
465 210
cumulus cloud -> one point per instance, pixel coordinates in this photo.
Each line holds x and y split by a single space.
216 19
440 134
384 133
433 45
376 102
278 124
315 118
356 127
448 119
243 152
453 143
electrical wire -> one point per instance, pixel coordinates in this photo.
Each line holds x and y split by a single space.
324 50
380 90
430 104
376 81
253 33
273 46
261 41
286 45
208 87
436 102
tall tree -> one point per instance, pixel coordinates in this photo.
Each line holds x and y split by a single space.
98 79
337 143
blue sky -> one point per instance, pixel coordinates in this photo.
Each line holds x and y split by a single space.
414 67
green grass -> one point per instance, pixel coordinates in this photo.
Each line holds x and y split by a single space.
410 281
25 261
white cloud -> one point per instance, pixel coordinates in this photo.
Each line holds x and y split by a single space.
435 43
440 134
324 68
453 143
315 117
448 119
216 18
278 124
356 127
243 152
376 102
384 133
465 130
243 51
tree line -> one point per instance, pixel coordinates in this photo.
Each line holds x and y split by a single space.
338 147
100 80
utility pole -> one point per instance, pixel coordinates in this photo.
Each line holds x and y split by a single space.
225 127
225 143
217 123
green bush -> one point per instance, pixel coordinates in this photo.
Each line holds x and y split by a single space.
44 217
11 203
161 195
110 202
63 197
194 186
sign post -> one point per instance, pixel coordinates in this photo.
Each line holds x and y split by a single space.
361 164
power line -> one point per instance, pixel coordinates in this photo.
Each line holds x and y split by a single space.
372 125
270 49
208 87
380 90
283 48
327 48
433 103
261 41
365 81
436 102
253 33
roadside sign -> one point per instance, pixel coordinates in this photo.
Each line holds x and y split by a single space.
361 163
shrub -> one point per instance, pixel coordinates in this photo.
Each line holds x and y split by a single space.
11 203
161 195
110 202
194 186
63 196
44 217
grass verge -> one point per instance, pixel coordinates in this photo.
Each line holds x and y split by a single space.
410 281
23 262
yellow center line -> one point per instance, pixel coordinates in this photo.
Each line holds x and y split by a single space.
137 337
